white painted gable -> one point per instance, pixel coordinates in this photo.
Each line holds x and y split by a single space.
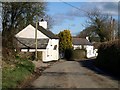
29 32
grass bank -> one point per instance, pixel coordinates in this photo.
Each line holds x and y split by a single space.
14 74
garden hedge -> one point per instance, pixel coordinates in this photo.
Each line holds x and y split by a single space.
109 56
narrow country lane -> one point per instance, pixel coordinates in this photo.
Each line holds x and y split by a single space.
72 74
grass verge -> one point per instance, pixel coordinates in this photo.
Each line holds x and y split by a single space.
14 74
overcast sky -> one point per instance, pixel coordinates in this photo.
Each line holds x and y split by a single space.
71 15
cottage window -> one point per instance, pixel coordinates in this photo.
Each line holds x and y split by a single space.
55 47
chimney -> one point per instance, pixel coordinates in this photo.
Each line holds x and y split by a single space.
43 24
87 38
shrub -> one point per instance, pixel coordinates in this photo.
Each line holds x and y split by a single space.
39 55
109 55
26 55
79 54
68 54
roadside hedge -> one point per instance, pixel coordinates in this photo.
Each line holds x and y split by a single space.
68 54
79 54
109 56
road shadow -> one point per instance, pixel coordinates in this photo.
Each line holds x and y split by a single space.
90 64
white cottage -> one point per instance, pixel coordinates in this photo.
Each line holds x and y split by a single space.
80 43
48 43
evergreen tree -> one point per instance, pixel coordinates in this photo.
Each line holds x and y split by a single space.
65 40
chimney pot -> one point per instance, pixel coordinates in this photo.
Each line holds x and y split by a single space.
43 23
87 38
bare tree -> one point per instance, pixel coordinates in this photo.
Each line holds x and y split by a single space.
103 24
16 16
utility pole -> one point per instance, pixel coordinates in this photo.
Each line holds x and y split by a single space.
114 29
112 24
36 37
111 29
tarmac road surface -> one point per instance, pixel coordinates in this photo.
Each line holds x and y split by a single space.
72 74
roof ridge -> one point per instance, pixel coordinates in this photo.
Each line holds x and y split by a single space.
79 41
46 32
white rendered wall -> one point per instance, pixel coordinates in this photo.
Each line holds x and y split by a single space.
29 32
95 52
24 50
48 54
51 53
77 47
90 50
55 54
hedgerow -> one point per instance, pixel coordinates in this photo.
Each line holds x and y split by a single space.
109 56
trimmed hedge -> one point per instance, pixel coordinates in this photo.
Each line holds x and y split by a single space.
109 56
79 54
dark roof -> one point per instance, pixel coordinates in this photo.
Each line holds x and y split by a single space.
46 32
80 41
30 43
42 19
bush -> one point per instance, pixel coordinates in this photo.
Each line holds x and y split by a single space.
108 56
39 55
68 54
26 55
79 54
